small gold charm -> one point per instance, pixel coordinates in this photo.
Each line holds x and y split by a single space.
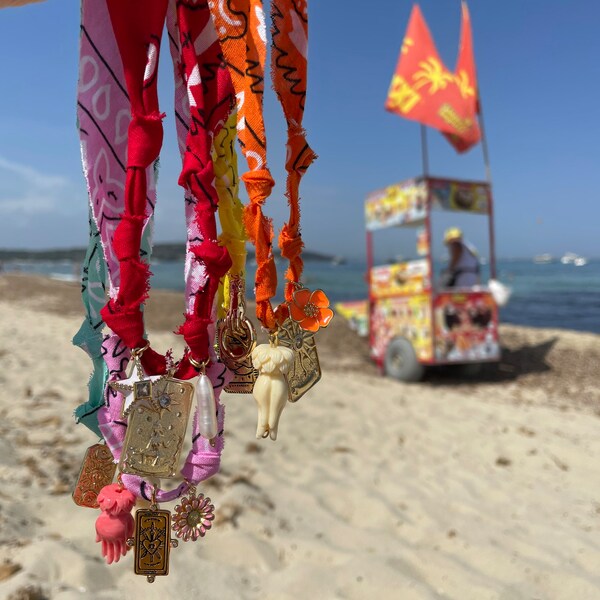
156 429
137 386
236 339
306 370
97 470
236 342
152 544
193 517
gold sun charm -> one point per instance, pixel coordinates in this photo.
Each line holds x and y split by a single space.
193 517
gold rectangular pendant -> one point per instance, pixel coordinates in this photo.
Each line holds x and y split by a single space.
152 543
156 430
244 376
97 470
306 371
237 342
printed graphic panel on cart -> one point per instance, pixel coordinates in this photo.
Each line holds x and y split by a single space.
465 327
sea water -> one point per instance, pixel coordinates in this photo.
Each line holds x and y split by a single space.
544 295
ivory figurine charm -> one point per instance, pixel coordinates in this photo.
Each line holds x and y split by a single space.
271 390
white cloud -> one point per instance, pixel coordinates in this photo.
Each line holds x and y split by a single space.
25 191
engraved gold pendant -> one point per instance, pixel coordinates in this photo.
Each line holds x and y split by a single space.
156 429
152 543
97 470
236 342
236 339
306 370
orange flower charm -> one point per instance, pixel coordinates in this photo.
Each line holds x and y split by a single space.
310 309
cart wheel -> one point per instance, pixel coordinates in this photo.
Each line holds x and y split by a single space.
401 361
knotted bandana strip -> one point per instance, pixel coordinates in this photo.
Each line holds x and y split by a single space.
242 33
231 210
289 32
210 97
137 26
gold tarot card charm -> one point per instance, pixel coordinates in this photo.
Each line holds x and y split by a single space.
152 543
306 370
156 429
236 342
97 470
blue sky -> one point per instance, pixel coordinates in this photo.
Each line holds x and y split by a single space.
539 73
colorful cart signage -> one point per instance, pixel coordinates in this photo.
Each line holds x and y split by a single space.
409 318
400 279
357 315
465 196
398 204
406 203
466 327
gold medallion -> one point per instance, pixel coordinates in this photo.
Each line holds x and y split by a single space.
306 370
156 429
152 543
97 470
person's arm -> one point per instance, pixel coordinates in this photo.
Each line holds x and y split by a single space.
456 251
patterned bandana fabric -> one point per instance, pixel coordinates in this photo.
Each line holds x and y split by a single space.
137 26
231 210
103 117
210 99
289 32
89 337
132 197
242 33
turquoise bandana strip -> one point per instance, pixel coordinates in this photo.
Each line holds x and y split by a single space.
90 337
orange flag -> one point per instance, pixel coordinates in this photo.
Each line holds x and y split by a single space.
424 90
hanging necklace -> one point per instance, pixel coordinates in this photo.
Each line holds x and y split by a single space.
145 415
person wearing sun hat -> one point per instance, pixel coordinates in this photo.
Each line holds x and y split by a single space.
463 269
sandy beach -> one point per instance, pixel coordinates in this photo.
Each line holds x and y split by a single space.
463 490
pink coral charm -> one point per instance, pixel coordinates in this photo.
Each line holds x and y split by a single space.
193 517
115 524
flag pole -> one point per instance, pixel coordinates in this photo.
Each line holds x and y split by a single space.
484 145
424 151
488 177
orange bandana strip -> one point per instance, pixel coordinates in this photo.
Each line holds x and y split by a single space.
289 33
241 28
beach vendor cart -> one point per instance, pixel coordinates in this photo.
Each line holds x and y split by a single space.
414 321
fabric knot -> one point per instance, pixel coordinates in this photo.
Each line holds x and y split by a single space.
259 184
233 243
291 244
127 320
128 234
215 257
299 155
195 334
145 139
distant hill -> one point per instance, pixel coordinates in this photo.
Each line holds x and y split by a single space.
161 252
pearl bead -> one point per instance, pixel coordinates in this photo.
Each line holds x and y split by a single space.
206 408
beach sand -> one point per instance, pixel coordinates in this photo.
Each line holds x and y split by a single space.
484 489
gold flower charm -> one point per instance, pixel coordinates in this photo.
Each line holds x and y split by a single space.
193 517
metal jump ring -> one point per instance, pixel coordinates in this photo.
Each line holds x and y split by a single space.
201 366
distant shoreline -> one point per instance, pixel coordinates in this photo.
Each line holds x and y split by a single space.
161 251
176 252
